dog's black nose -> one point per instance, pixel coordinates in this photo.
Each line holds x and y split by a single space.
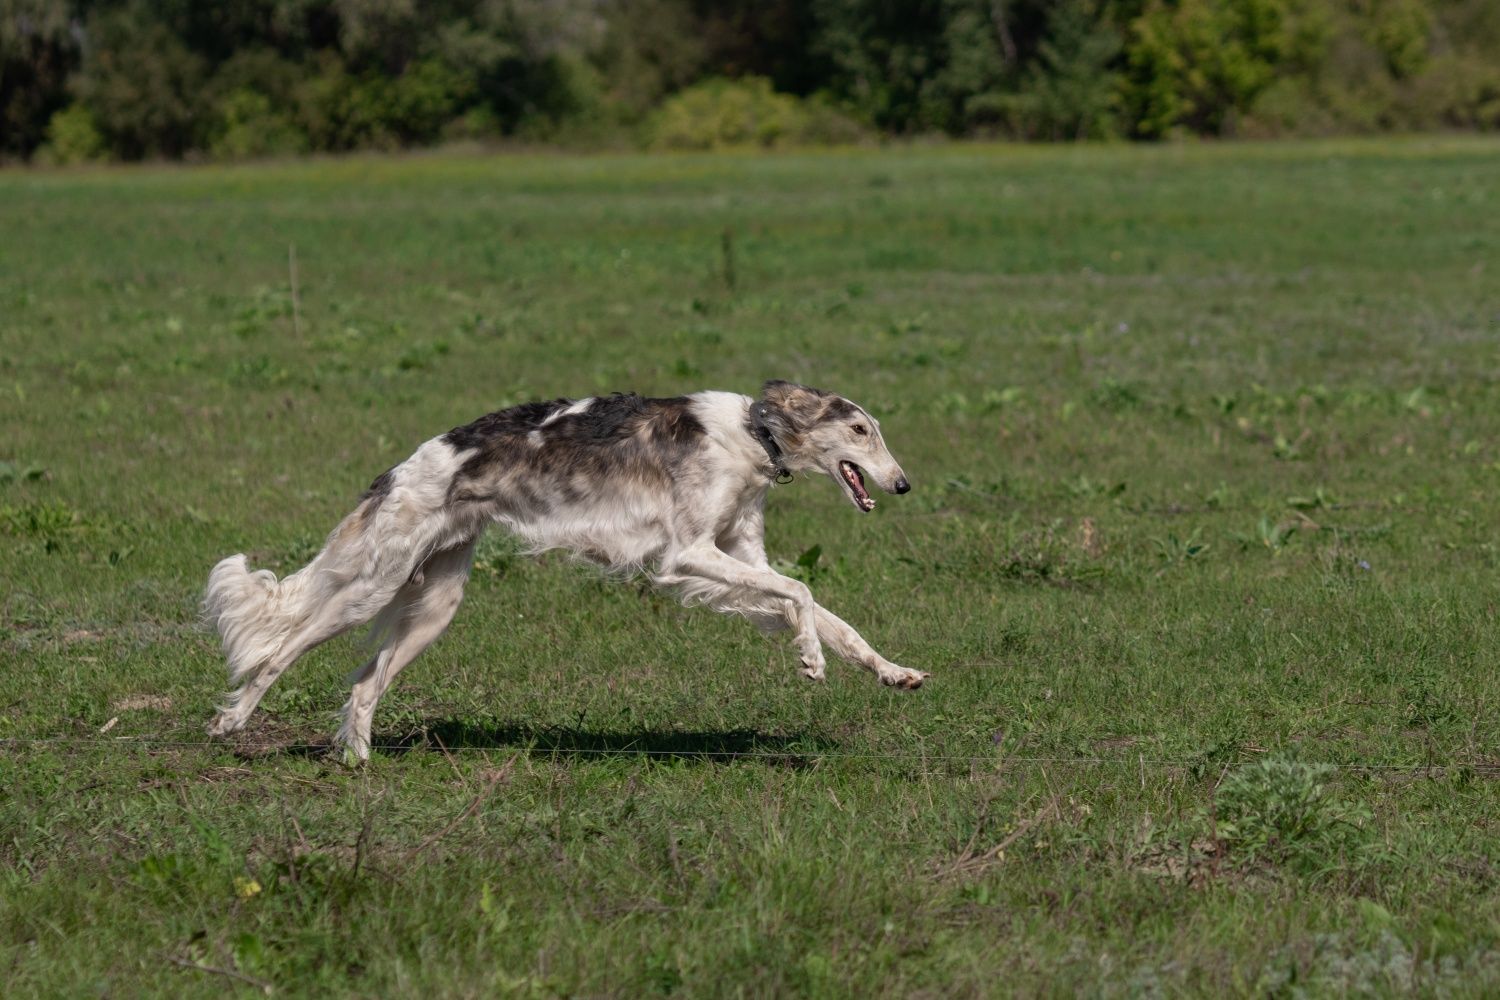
902 486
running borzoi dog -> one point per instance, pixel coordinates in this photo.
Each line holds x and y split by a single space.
675 488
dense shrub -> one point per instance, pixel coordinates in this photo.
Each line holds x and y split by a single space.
73 137
1461 91
726 113
341 110
247 125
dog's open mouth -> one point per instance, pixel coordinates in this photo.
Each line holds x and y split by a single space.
856 483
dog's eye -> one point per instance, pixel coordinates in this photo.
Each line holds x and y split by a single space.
860 430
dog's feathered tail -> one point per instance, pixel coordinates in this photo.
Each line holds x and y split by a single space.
255 613
252 611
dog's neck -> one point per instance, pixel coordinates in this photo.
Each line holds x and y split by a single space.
761 431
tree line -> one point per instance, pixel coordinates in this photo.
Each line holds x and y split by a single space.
131 79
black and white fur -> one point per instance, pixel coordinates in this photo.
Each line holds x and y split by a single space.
674 488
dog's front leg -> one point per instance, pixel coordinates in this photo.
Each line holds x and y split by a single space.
710 563
851 646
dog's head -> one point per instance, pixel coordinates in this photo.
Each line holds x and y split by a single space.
820 431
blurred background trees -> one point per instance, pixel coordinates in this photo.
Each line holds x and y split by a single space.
128 79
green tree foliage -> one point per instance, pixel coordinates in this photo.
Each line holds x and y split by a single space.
1401 31
144 87
1195 64
38 50
130 79
651 48
915 67
1071 90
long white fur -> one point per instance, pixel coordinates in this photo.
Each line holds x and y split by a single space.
404 567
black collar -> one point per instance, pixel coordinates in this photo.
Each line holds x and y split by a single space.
762 431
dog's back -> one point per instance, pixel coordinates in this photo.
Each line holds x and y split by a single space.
595 476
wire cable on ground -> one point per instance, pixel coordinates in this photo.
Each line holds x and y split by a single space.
1435 768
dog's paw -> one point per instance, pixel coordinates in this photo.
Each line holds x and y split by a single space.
902 677
223 724
352 757
813 671
350 748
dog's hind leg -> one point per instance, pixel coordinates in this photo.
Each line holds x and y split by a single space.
342 608
420 613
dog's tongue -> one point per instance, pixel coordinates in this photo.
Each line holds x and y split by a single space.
857 484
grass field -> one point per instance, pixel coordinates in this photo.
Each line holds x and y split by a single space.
1201 554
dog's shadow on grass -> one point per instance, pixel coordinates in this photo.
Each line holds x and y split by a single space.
698 746
461 736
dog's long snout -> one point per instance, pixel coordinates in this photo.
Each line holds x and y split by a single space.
902 486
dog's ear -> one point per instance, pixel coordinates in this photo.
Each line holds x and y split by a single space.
794 406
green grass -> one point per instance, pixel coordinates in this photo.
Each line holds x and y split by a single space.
1205 444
